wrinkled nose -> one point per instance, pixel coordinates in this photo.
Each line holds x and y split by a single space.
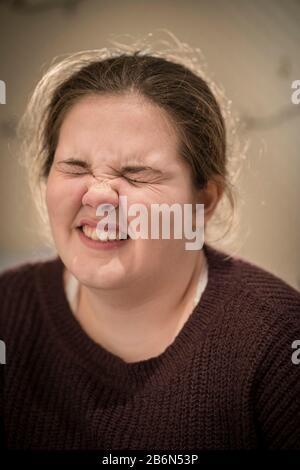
100 192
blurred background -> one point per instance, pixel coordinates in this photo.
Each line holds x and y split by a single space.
252 49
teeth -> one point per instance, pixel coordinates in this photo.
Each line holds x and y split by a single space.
91 232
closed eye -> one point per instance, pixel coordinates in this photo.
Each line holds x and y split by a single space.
76 173
73 167
131 180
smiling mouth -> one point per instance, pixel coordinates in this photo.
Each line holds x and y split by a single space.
106 237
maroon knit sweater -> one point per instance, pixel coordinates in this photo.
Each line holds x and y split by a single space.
226 382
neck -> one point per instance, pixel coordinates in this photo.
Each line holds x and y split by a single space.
141 327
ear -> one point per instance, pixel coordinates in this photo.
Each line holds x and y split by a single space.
210 196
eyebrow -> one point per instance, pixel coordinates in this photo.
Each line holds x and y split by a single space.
74 161
124 169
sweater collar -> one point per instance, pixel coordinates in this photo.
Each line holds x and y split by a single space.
104 365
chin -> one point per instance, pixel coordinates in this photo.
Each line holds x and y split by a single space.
94 274
96 281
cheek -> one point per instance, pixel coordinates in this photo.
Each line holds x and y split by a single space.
52 196
63 199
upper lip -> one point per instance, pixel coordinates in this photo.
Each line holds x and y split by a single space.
93 223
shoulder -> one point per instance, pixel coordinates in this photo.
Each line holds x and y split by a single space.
259 331
18 278
15 274
244 283
19 288
25 271
256 307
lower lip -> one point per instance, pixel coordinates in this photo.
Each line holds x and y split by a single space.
100 245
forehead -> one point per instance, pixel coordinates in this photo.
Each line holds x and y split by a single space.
118 128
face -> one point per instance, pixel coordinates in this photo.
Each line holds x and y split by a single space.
105 134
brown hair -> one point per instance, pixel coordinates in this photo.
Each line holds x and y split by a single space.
186 97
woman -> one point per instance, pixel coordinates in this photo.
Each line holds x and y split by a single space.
140 343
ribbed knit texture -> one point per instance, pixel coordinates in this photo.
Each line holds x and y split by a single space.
226 382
